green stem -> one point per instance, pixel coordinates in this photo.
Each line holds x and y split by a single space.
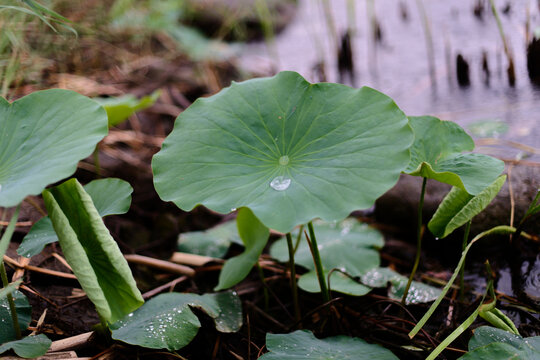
298 238
318 263
96 162
493 231
265 288
11 302
462 270
294 288
4 243
418 241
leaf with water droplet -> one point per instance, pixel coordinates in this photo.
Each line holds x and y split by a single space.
496 344
24 312
263 144
28 347
418 292
302 344
167 322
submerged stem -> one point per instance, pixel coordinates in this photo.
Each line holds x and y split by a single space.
294 288
318 263
418 241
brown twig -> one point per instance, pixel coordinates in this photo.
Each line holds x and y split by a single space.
160 264
13 262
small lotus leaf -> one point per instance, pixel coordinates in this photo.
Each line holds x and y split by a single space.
289 150
120 108
348 245
166 321
42 138
213 242
254 235
11 287
458 207
418 292
437 154
91 251
110 196
496 344
302 344
28 347
24 313
338 282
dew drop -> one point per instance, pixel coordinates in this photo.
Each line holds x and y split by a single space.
284 160
0 187
233 209
280 183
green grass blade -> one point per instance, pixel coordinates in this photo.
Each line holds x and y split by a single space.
503 229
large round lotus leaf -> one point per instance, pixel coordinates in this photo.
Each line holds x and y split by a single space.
437 154
302 344
42 138
289 150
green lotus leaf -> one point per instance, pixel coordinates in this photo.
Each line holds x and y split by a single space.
91 251
213 242
28 347
24 313
120 108
496 344
302 344
347 245
167 322
418 292
11 287
458 207
110 197
338 282
289 150
42 138
254 235
437 154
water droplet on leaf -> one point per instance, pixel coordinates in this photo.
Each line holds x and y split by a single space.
280 183
284 160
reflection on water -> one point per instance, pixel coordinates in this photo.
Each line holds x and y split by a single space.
398 65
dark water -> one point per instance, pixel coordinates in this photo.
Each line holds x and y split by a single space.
398 65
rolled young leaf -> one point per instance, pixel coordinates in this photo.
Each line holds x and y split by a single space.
91 251
110 197
458 207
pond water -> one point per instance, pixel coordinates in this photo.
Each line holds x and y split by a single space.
398 65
